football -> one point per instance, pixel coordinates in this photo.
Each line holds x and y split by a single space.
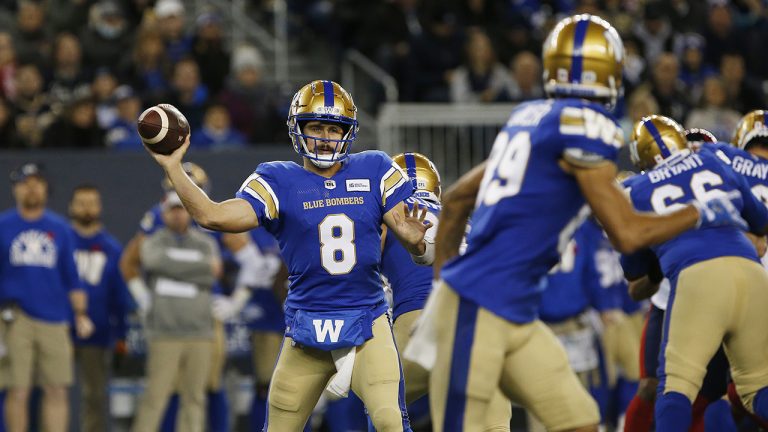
163 128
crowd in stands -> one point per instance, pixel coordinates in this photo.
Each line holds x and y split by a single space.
77 74
701 62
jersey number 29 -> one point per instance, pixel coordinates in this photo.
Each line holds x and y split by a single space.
506 167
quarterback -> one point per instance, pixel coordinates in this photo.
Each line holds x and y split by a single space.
326 215
552 157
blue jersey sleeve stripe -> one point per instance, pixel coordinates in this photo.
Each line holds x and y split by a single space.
577 59
410 165
328 93
665 153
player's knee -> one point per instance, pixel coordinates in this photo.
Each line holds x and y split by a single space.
284 395
388 419
646 389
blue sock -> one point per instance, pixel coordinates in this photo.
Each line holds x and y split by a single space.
2 411
673 412
760 404
718 418
169 419
624 394
218 411
258 411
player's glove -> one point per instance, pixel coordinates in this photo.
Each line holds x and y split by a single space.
224 308
720 211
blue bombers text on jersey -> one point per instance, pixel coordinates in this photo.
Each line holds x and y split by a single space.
699 176
329 229
528 207
411 283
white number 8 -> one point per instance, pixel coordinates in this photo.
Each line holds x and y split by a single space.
343 240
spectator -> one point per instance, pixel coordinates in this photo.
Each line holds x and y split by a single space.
97 254
686 15
484 15
32 37
635 64
103 85
122 133
70 16
693 71
40 278
107 38
187 93
251 103
435 55
76 127
7 66
743 93
518 35
182 265
721 35
8 137
526 77
171 18
640 104
481 78
33 113
148 68
217 132
209 51
713 115
666 87
68 74
654 30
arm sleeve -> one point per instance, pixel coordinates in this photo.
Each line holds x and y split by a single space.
591 136
261 192
393 184
121 303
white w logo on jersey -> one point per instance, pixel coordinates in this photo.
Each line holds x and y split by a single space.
323 328
33 248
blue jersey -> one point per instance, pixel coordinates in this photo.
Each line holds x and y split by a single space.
754 169
689 177
37 265
329 229
589 275
411 283
97 259
263 312
528 207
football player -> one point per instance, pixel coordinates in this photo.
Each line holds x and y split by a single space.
327 215
241 249
718 288
411 284
550 157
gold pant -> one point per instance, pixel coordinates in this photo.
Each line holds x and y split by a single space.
722 300
417 378
302 373
525 360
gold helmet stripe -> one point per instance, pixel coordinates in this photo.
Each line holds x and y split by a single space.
665 153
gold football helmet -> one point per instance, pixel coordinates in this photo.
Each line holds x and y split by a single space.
753 125
422 173
654 139
195 172
583 58
324 101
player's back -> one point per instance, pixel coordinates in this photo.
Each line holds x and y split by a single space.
687 177
753 168
528 206
411 283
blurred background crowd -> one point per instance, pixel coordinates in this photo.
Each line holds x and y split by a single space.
76 73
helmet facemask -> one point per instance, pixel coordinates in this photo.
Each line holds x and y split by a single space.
341 147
